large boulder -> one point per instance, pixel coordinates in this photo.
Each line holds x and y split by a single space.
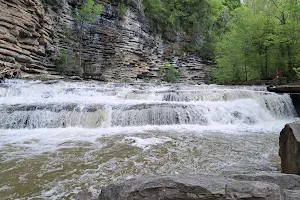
191 187
289 148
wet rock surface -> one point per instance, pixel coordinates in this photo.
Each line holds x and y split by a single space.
197 187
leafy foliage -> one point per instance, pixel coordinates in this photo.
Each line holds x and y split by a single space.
260 38
88 12
122 7
170 73
196 19
297 71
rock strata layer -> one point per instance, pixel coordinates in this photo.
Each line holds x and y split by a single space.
26 36
289 148
204 187
117 46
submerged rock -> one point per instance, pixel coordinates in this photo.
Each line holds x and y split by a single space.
289 148
193 187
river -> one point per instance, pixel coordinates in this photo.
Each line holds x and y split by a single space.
58 138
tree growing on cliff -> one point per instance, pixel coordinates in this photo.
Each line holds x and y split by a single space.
88 13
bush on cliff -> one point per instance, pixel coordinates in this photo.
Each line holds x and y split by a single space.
170 73
67 63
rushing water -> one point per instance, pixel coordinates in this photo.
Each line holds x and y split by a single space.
60 138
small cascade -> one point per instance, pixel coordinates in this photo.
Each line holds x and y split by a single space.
52 116
280 106
158 114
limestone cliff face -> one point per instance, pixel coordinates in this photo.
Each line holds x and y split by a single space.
115 47
26 35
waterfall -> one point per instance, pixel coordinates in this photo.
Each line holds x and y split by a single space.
59 105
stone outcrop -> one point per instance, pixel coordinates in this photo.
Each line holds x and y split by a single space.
197 187
289 148
116 46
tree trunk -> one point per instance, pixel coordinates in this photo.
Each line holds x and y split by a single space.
266 63
245 65
290 63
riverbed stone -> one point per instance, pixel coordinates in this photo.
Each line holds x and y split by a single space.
191 187
289 148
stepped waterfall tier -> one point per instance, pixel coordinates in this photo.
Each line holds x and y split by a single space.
58 138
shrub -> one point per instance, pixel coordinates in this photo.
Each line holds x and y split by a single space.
67 63
170 73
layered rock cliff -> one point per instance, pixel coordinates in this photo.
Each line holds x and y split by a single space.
26 35
116 46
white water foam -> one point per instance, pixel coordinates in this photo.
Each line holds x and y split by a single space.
145 143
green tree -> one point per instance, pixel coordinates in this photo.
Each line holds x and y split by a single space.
88 13
260 38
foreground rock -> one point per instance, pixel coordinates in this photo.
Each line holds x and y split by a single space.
289 148
198 187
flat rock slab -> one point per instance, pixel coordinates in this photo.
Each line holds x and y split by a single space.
191 187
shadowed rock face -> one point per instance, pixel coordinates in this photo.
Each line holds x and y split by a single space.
197 187
115 47
289 143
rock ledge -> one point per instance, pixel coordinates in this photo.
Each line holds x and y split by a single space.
206 187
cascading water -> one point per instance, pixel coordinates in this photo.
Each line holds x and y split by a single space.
57 138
